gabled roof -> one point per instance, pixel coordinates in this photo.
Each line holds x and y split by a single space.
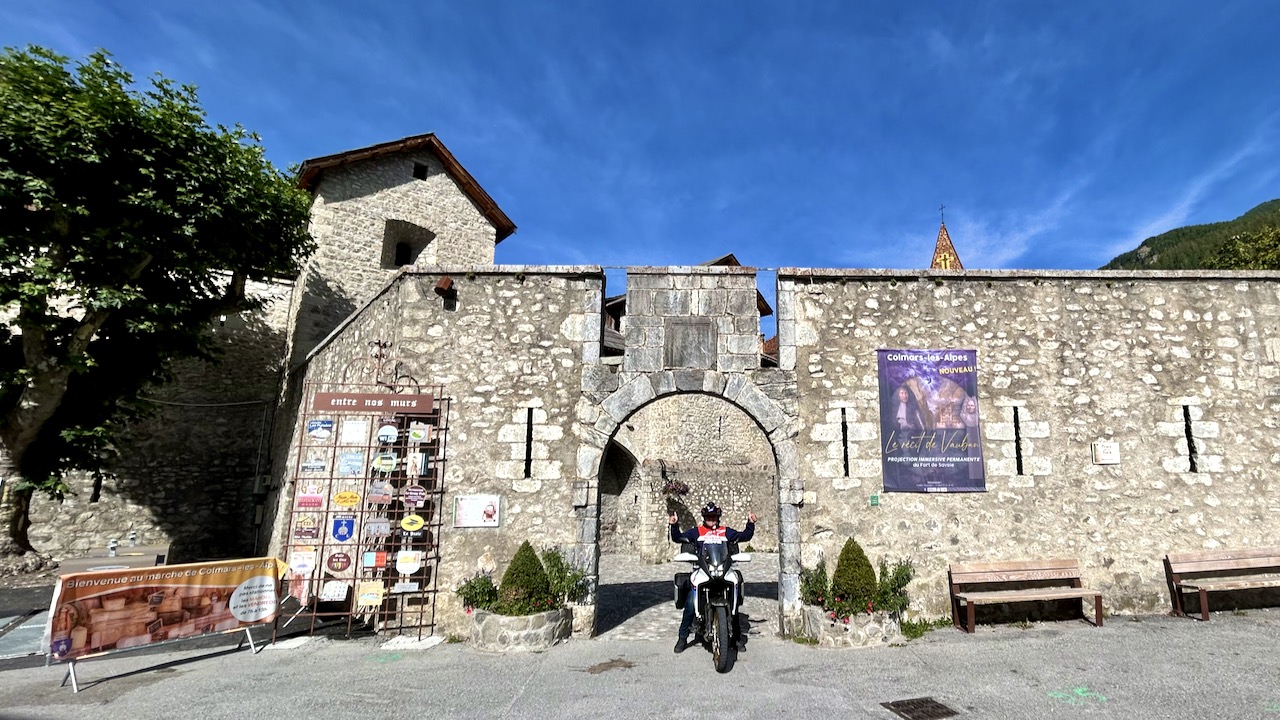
944 253
311 170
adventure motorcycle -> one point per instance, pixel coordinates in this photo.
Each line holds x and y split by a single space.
718 593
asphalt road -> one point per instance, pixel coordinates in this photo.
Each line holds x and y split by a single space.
1153 667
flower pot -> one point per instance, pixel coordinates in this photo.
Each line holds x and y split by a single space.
515 633
861 630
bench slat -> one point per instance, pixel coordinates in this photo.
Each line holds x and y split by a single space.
1241 584
1207 566
1052 563
1233 554
1013 576
999 596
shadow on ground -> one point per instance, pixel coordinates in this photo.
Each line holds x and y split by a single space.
619 602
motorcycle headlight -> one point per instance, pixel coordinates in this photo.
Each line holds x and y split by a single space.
717 571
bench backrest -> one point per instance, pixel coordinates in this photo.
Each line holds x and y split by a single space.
1015 571
1225 561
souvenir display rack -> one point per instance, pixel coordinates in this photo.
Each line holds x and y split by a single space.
365 519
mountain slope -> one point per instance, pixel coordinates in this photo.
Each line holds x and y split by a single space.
1188 248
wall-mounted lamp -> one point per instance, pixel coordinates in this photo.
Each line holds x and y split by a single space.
447 292
444 287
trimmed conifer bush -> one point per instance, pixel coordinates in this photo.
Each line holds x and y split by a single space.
853 585
524 589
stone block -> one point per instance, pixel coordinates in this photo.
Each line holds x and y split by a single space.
526 485
629 397
664 383
642 359
547 433
589 462
1034 429
734 386
826 432
673 303
1000 431
711 302
742 303
688 380
714 383
1205 429
760 407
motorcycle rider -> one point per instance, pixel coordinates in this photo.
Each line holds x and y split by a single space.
710 527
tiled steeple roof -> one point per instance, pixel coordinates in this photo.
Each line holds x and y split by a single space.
944 255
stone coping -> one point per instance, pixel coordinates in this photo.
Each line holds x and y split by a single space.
555 270
892 274
690 270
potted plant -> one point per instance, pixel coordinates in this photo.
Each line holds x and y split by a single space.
853 608
528 609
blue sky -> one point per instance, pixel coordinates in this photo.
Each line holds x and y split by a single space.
790 133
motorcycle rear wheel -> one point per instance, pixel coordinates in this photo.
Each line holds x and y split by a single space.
720 638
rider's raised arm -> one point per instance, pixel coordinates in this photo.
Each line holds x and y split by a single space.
742 535
690 535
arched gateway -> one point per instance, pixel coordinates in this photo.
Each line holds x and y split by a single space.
665 335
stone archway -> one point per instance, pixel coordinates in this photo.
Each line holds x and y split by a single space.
636 390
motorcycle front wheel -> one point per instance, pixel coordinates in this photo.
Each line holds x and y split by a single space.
720 638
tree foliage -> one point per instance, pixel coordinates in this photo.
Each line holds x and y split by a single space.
1258 250
127 223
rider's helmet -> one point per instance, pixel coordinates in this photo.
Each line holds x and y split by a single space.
710 510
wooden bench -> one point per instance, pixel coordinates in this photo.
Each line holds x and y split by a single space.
1211 570
1057 580
132 556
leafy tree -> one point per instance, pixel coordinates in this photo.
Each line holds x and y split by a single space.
1258 250
853 584
127 223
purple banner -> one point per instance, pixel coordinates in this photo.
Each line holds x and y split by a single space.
929 429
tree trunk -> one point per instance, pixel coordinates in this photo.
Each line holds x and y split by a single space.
15 506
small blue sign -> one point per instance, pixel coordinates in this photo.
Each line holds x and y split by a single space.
320 429
344 528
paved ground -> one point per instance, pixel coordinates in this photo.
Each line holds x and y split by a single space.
1154 667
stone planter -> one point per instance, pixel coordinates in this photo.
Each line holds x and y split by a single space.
862 630
514 633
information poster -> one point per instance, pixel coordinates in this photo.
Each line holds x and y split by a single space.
931 438
107 610
475 511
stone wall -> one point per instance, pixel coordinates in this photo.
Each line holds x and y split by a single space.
187 475
361 209
1078 357
516 340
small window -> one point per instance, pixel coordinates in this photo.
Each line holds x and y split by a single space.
403 244
404 254
419 171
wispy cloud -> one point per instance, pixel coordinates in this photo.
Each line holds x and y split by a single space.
1194 191
991 243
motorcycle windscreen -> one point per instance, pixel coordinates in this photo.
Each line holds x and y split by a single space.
714 553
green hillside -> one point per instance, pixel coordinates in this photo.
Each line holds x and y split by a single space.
1188 248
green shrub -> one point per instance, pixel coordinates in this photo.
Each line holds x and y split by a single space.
568 584
478 592
915 629
524 589
891 593
853 586
814 585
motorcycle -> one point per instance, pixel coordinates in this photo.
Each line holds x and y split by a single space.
718 593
